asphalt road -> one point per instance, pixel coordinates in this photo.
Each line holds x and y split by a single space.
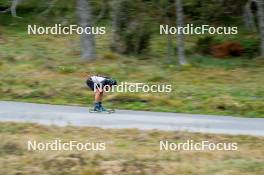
80 116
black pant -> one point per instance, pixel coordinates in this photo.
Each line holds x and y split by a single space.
90 84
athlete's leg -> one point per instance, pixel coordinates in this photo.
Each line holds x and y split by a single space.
98 95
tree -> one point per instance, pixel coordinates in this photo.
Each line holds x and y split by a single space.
12 8
50 7
85 20
249 16
261 24
131 25
118 22
166 11
180 36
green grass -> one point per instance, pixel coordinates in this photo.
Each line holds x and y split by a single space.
48 69
128 151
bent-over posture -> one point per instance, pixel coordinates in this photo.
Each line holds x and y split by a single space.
98 84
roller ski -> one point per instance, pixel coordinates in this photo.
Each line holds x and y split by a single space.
98 108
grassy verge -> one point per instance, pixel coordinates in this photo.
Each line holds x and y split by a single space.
127 152
47 69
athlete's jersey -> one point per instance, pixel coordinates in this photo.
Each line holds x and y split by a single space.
97 79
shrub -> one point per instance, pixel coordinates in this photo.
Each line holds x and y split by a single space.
110 56
229 48
132 33
222 47
135 39
251 47
10 147
204 44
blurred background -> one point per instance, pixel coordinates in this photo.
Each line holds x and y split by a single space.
220 74
209 74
